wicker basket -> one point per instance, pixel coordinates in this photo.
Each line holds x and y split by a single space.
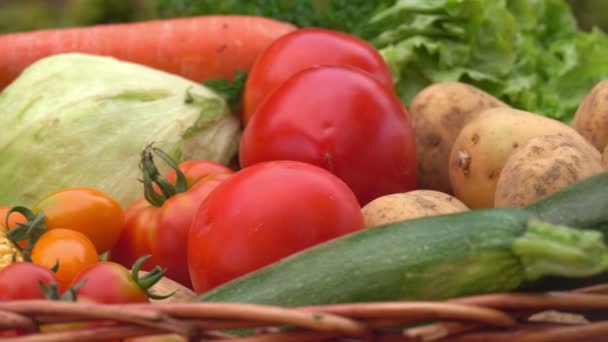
576 315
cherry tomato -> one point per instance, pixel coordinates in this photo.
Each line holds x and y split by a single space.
87 210
111 283
70 249
304 48
197 170
341 119
264 213
138 235
161 229
13 220
21 280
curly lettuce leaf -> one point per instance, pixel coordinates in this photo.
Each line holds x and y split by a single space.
529 53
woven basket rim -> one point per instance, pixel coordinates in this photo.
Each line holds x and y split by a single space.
495 317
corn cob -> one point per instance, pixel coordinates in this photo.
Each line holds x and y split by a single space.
7 250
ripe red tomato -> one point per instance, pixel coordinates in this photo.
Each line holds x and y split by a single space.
111 283
87 210
197 170
161 229
264 213
341 119
70 249
21 280
304 48
138 235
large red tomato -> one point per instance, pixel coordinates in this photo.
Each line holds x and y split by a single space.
341 119
264 213
304 48
158 225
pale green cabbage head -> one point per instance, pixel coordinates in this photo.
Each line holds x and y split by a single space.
82 120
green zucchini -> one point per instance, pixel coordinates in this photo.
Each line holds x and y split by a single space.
583 204
481 251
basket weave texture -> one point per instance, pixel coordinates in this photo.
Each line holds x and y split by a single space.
576 315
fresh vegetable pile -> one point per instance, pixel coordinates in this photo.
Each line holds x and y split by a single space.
300 167
528 53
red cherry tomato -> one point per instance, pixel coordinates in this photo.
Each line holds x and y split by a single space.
111 283
341 119
264 213
161 229
304 48
138 235
21 280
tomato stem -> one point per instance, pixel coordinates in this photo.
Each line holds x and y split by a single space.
70 294
31 230
51 291
55 267
151 177
150 279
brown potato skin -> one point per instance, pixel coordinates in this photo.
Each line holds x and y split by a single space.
484 144
591 118
605 158
438 113
541 166
409 205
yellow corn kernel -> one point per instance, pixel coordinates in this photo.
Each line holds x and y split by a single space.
7 250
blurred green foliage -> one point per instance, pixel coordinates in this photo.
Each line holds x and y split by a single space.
27 15
342 15
591 13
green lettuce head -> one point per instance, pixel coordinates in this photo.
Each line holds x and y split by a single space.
82 120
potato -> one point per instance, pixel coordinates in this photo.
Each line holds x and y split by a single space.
484 144
605 158
591 118
409 205
541 166
438 113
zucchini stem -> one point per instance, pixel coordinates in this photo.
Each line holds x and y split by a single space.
553 250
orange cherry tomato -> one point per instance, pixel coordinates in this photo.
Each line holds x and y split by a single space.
87 210
72 250
12 221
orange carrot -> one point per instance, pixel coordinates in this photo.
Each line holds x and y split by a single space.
197 48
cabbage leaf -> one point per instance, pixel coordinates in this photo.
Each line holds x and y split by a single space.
82 120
